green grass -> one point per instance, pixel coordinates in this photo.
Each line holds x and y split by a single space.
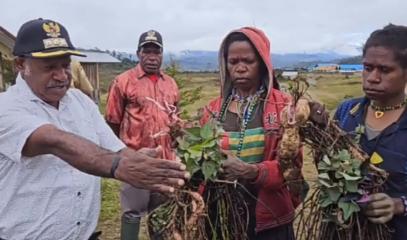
210 88
110 198
334 88
329 89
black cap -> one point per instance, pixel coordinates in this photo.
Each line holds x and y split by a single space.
43 38
151 36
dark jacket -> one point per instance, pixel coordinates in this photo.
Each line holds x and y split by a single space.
391 145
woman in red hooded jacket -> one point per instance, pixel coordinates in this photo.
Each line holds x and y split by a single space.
249 109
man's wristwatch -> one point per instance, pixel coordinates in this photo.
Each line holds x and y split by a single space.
115 164
404 201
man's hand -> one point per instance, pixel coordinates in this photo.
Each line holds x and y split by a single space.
233 168
143 170
381 208
319 114
151 152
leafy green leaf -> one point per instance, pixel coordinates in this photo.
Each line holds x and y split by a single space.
323 166
196 154
349 177
343 155
333 193
182 144
207 132
192 165
356 164
347 166
209 143
356 172
323 176
195 131
197 147
192 138
209 169
325 183
186 156
325 201
338 175
348 209
351 186
326 160
218 157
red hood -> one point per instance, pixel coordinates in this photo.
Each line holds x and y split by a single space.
262 45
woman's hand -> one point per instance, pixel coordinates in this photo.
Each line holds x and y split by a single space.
382 207
233 168
319 115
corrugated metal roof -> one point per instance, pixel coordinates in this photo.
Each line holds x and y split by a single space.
96 57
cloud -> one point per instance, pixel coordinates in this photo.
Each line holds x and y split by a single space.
292 25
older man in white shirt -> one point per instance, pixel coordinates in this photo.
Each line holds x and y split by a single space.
54 143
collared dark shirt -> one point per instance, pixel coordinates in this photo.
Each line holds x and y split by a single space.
390 144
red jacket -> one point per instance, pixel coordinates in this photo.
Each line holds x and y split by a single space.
275 205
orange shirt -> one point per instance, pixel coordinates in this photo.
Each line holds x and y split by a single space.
140 119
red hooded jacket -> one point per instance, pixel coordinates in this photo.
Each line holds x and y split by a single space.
275 205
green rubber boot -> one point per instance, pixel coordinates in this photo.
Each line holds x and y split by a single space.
130 227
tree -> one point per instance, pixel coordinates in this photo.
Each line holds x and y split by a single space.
9 75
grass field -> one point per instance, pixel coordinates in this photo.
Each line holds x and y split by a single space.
329 89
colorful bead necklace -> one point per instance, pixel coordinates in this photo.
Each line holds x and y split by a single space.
379 110
249 104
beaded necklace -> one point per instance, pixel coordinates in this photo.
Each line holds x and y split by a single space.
379 110
250 103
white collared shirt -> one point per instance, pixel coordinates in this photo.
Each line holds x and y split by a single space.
43 197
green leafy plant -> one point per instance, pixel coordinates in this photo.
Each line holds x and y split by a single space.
199 150
339 177
206 207
345 179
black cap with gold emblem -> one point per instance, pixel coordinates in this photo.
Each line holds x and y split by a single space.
43 38
151 36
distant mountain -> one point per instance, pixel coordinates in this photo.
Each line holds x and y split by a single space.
293 60
351 60
208 60
195 60
191 60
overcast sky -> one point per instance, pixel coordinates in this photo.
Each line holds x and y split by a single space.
292 25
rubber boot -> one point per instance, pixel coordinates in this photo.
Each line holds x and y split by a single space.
130 227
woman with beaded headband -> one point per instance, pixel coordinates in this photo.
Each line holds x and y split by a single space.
382 113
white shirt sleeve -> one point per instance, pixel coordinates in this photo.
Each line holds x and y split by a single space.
16 126
107 138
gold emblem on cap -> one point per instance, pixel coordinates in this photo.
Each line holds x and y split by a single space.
52 29
151 36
